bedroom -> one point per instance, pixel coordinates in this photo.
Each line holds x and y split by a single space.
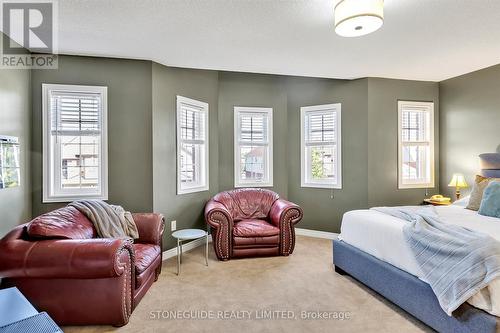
278 99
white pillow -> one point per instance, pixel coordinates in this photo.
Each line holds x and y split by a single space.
462 202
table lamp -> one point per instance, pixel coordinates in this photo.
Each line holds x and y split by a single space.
458 181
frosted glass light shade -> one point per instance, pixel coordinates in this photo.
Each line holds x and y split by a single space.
355 18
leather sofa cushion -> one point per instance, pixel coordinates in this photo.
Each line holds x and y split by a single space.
247 203
65 222
148 275
145 255
254 228
251 242
256 252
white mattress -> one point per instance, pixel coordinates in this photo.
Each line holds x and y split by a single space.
381 235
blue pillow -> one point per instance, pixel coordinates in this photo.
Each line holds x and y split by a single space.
490 205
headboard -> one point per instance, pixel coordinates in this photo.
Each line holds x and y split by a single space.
490 165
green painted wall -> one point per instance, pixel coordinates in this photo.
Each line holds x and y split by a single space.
259 90
383 96
321 211
168 82
129 126
470 123
15 203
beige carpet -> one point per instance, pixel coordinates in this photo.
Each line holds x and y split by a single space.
305 281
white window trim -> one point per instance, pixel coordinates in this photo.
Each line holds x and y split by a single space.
237 181
48 170
204 107
319 108
430 107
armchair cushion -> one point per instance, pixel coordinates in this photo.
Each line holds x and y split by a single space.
254 228
246 242
247 203
67 222
145 254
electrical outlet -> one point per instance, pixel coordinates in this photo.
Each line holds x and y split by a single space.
173 225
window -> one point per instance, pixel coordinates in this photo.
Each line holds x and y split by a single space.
192 145
321 158
10 167
74 142
253 147
416 144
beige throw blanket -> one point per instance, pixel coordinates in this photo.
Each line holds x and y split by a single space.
110 221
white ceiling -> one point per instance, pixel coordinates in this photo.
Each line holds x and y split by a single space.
420 40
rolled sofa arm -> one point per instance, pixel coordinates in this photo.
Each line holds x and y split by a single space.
285 215
67 258
219 218
150 227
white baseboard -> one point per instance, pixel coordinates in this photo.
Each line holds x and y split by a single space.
316 233
201 241
186 247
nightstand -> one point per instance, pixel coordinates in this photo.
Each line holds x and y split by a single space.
436 203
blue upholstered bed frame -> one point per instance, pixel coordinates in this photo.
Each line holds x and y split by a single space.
407 291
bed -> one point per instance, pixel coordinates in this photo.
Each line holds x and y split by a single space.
372 249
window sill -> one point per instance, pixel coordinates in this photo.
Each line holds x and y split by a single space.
415 186
253 185
192 190
322 186
57 199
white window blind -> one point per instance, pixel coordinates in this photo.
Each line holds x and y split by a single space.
253 146
75 113
192 145
416 144
75 136
321 146
320 127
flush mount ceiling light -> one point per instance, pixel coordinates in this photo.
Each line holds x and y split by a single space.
355 18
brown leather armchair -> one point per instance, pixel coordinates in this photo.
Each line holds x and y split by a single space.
62 268
252 222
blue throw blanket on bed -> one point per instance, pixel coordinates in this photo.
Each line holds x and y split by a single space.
457 262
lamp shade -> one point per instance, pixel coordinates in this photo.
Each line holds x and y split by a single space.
458 180
355 18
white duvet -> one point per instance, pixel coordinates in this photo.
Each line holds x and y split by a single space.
381 235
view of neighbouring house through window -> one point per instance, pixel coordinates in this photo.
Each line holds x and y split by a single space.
75 142
416 144
320 145
77 130
9 162
192 145
253 146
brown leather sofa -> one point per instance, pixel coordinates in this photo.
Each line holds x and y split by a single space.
252 222
62 268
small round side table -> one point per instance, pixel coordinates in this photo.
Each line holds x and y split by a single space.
189 234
